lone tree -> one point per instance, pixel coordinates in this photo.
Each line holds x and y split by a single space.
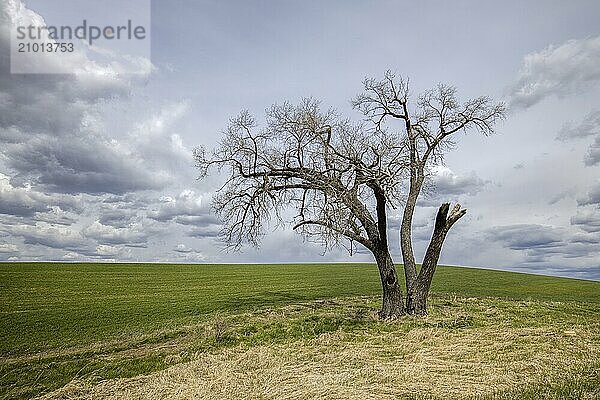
340 178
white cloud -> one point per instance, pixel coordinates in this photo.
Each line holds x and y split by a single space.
188 208
592 157
446 185
51 130
56 216
559 71
8 248
90 72
589 126
118 145
588 221
26 202
189 252
44 234
446 182
157 142
182 248
592 197
109 235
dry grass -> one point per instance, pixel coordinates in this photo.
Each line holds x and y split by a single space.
467 348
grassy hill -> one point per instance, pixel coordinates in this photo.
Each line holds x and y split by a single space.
85 323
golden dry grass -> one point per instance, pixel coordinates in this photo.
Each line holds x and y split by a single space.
440 356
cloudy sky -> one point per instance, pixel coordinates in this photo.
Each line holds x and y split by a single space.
98 166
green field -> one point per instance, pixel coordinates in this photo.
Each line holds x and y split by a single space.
102 321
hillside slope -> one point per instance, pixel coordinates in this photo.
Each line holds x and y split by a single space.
84 323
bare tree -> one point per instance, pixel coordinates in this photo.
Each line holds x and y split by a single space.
427 134
340 179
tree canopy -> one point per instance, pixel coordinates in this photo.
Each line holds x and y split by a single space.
340 178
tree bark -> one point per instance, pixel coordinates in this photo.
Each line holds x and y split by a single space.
393 303
408 257
416 298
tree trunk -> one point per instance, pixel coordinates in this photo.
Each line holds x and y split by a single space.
416 298
393 303
408 257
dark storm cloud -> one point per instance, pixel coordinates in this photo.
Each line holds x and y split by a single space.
197 220
106 138
27 208
211 231
588 221
25 202
77 165
571 249
62 98
557 71
544 245
48 133
526 236
586 238
59 159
